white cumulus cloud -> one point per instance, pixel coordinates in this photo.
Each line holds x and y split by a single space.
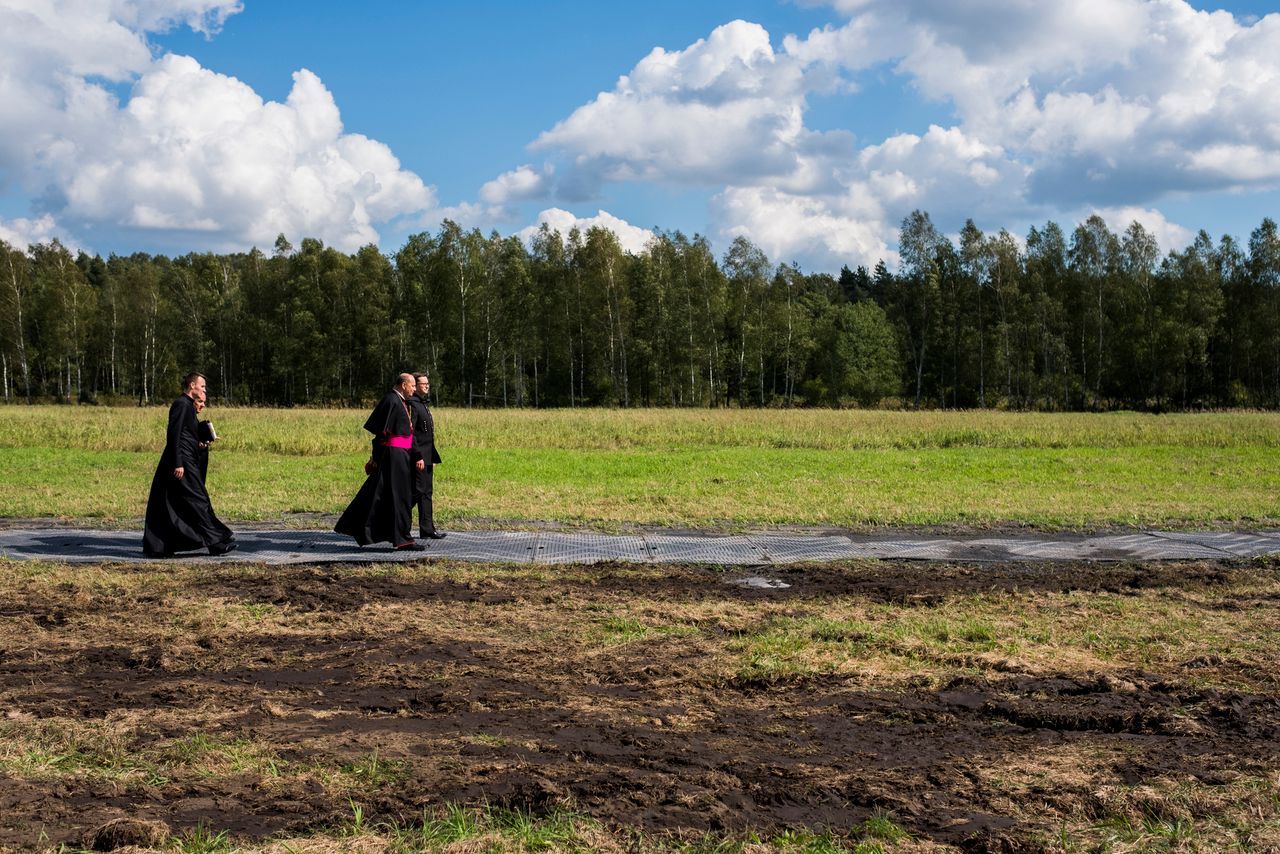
632 238
830 232
22 232
1108 100
725 107
192 151
1169 235
517 185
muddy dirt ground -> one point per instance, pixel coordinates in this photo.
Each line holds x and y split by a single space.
568 686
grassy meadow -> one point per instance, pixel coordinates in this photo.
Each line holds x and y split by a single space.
693 468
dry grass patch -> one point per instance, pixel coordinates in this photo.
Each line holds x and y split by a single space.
655 708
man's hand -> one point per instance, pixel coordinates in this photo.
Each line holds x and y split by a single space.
179 472
421 465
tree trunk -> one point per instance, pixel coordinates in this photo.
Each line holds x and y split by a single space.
462 354
488 351
693 362
713 352
615 315
982 354
114 324
789 381
569 340
18 327
920 371
1098 373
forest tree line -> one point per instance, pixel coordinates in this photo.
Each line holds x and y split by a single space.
1088 320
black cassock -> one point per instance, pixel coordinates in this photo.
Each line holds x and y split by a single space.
205 434
380 512
179 515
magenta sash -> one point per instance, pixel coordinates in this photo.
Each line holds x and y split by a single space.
402 442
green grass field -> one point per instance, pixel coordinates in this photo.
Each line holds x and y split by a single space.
723 469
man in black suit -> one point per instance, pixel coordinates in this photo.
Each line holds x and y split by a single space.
179 515
424 445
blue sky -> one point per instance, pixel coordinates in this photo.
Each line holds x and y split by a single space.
810 127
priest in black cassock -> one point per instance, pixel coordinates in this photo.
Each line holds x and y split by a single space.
179 515
380 512
206 435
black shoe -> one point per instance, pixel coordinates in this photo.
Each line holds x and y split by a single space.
435 535
156 555
222 548
411 547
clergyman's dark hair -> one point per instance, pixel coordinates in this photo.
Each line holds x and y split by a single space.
421 376
190 379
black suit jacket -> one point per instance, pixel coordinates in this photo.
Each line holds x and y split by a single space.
424 431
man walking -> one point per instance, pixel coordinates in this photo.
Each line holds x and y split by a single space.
424 444
380 512
180 516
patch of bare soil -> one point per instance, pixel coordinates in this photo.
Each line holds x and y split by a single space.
479 686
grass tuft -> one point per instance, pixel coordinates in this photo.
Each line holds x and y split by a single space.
373 770
880 826
201 840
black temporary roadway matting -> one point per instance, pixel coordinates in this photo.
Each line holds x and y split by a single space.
754 549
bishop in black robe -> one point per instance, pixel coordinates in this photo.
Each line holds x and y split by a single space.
180 516
380 512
